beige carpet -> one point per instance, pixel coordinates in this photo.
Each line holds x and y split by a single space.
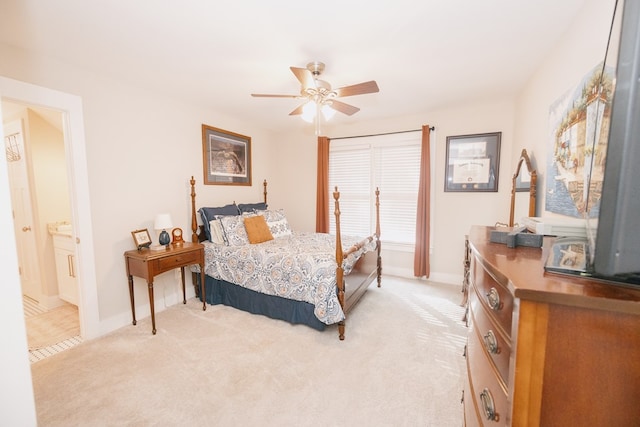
400 365
53 326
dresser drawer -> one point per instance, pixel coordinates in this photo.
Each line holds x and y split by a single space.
487 393
493 295
495 344
178 260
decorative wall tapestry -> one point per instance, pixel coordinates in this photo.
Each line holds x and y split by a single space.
579 127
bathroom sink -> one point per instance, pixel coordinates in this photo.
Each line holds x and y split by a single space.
60 228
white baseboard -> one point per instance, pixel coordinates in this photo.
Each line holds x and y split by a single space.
449 279
163 300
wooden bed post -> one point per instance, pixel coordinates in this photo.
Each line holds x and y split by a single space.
378 236
194 221
264 185
339 259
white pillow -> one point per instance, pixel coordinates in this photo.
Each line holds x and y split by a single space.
217 234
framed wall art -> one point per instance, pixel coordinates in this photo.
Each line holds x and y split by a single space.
473 162
226 157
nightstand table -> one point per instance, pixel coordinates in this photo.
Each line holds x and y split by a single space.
147 264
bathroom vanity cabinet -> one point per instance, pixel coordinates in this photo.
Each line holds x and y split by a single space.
64 248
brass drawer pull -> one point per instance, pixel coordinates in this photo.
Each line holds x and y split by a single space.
493 298
488 406
72 272
491 343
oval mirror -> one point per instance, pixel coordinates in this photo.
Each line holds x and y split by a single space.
523 190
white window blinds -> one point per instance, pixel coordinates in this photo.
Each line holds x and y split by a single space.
359 165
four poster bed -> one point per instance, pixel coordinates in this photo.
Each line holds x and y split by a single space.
256 263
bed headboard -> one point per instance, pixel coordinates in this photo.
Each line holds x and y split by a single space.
197 234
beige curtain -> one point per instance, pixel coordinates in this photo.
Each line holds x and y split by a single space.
322 190
421 255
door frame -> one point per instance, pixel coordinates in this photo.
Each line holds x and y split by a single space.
75 153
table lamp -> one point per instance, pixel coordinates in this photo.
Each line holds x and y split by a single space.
163 222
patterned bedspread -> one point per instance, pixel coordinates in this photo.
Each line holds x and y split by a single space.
301 267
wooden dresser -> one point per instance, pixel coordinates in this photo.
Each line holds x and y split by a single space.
546 349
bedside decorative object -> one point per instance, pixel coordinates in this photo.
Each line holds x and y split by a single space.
163 222
176 233
141 238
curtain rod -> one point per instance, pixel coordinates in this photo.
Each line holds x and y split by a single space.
380 134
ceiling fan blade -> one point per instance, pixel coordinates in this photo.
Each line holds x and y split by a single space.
263 95
359 89
347 109
297 111
304 76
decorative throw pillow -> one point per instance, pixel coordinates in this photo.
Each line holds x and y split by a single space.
257 229
279 228
233 227
277 222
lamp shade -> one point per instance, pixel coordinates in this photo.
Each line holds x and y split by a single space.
309 111
328 112
163 222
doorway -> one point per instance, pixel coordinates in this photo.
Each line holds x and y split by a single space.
70 109
36 162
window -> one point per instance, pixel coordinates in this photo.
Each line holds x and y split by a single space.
358 165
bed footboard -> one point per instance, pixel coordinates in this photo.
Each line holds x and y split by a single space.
350 288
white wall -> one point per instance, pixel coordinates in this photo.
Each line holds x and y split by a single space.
574 56
51 196
143 147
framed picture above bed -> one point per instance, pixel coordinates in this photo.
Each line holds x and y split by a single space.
226 157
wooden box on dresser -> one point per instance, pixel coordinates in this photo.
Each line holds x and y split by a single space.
546 349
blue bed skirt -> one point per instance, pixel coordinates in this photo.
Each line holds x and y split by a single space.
295 312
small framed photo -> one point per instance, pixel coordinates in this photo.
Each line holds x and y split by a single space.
473 162
226 157
141 238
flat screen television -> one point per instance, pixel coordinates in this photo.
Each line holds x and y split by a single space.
612 252
617 244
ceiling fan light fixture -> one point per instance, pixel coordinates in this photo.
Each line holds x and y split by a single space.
309 112
328 112
321 100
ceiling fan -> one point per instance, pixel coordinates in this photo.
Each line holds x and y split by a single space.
319 94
